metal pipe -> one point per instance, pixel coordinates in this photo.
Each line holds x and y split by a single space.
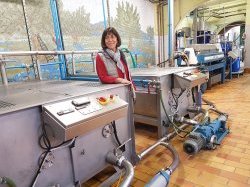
26 53
204 35
163 32
161 179
170 32
213 107
51 64
108 12
175 157
26 21
158 29
27 25
122 162
59 37
23 66
104 15
149 149
129 175
3 72
195 26
218 9
186 120
96 79
39 72
205 112
208 102
93 60
142 82
224 32
166 138
73 66
219 112
205 117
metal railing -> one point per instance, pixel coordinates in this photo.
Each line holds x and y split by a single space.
4 61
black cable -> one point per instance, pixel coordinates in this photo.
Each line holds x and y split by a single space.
47 146
45 137
45 140
163 62
176 97
176 101
116 136
39 168
40 142
172 123
178 134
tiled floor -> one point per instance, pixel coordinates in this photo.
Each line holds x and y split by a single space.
228 165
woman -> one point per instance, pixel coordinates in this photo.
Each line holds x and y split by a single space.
111 65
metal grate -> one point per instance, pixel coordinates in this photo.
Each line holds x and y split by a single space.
92 84
60 82
4 104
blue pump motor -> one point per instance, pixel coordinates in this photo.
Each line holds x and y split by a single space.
206 136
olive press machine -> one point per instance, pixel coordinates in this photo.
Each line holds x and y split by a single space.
171 88
77 125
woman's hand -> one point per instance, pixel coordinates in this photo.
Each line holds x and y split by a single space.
122 81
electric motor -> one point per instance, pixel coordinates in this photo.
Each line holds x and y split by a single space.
194 143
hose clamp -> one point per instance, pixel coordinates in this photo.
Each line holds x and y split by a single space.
165 175
120 160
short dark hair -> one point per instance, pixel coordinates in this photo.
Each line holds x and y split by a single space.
107 31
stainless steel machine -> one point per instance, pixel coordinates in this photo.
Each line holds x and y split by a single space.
164 92
211 58
60 133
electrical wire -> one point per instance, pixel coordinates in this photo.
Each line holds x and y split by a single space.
44 139
39 168
178 134
176 99
116 136
171 122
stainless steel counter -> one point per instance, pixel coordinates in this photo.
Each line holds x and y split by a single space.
22 113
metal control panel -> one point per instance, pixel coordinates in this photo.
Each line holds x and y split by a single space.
75 117
189 79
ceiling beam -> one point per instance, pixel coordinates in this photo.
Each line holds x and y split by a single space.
221 8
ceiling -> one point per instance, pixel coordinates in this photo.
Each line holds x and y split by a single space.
223 13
